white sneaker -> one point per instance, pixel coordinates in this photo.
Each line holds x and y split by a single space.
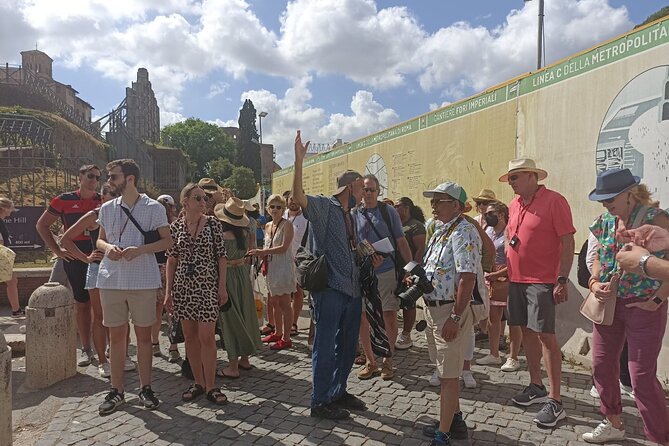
129 365
626 390
511 365
604 433
104 370
403 342
489 360
434 379
593 392
85 358
468 379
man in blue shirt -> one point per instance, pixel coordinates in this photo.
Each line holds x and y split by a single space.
376 221
337 309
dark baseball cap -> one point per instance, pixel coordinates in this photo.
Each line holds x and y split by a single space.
344 179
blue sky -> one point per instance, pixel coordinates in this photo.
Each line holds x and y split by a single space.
334 68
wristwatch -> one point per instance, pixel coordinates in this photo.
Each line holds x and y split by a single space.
643 260
455 317
562 280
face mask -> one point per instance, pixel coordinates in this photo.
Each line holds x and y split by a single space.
491 220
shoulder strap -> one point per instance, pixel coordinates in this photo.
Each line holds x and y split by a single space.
132 219
304 236
638 220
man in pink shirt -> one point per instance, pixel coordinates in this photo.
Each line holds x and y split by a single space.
539 254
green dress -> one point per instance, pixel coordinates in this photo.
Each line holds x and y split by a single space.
240 323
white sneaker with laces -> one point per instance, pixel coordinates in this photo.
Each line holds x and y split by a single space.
468 379
489 360
129 365
593 392
434 379
511 365
403 342
626 390
104 370
85 358
604 433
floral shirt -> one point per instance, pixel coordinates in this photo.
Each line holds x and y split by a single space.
630 285
447 256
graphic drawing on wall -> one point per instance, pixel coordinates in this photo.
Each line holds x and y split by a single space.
635 131
377 167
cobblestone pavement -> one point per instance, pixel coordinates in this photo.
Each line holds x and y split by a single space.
270 405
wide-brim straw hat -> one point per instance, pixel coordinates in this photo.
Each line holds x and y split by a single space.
523 165
485 195
209 185
232 212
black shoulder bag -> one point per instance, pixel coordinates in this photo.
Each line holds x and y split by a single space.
149 236
311 271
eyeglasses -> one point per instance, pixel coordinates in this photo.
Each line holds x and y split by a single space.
492 214
369 189
608 200
513 177
113 176
275 206
483 203
91 175
444 200
200 197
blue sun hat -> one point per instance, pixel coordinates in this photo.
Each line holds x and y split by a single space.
613 182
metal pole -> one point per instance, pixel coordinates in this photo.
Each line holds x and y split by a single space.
260 120
540 35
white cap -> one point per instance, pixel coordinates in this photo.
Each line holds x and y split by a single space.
167 199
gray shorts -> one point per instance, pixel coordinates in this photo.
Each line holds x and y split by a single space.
531 305
387 287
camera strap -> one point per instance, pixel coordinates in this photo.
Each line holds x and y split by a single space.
442 238
390 237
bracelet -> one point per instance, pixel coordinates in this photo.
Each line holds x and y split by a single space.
591 282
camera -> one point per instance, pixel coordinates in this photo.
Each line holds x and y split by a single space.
421 284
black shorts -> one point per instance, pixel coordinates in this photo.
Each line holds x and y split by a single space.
76 275
531 305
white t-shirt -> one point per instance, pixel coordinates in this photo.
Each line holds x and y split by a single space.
299 226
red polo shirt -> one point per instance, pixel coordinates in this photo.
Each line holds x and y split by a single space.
539 226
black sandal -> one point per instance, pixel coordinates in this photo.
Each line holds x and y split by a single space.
293 330
192 392
217 397
267 329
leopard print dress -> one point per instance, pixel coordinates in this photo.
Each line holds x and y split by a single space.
195 296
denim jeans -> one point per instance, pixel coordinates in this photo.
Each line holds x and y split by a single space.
337 323
644 331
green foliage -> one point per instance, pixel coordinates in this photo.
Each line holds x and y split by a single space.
201 141
220 169
657 15
242 182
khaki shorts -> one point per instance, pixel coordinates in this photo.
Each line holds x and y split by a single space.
116 304
387 287
448 356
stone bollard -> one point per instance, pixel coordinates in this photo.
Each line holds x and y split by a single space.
50 336
5 393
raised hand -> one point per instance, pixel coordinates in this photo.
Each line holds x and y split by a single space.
300 149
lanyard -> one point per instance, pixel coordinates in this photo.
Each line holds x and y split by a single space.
190 240
443 238
523 212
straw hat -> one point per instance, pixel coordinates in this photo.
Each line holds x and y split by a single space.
209 185
523 165
485 195
232 212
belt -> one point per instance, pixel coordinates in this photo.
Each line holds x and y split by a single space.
438 303
235 262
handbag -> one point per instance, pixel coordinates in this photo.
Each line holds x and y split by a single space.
7 257
601 313
311 271
149 236
174 332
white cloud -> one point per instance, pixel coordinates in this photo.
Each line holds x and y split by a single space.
217 89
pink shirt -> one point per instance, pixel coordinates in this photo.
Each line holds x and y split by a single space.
538 227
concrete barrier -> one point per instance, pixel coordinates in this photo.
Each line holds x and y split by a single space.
50 336
5 393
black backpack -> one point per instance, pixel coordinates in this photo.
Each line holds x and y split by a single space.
582 271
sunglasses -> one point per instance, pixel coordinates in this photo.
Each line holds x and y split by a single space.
369 189
608 200
433 201
275 206
513 177
492 214
91 175
200 197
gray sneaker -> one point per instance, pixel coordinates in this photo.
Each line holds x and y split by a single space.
85 357
532 394
550 414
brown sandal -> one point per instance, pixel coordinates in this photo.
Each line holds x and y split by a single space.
192 392
217 397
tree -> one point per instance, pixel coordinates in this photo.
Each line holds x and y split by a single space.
220 169
242 182
657 15
248 145
201 141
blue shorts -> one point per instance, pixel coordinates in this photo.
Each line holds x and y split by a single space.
92 276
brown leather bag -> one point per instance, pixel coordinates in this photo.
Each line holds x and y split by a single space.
601 313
